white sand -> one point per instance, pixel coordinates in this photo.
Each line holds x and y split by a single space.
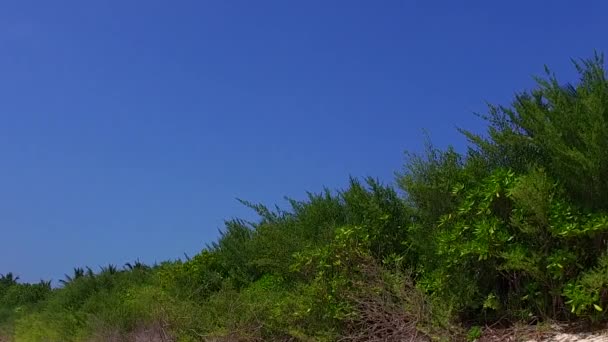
584 337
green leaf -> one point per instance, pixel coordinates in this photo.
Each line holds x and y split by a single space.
598 308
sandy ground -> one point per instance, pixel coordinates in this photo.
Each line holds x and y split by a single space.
544 333
582 337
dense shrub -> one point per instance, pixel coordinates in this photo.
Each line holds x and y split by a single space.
560 127
515 228
512 246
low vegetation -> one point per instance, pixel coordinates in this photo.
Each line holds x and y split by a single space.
512 231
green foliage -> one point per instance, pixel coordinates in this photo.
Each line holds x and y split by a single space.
515 228
474 333
268 309
512 245
25 294
195 278
335 270
588 295
562 128
383 214
429 181
7 280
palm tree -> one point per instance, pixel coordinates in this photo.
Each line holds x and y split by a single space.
8 279
45 284
78 273
137 265
110 269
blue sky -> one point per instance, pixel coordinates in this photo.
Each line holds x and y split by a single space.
128 128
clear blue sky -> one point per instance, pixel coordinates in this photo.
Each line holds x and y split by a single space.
128 128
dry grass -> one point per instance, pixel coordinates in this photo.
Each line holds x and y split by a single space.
152 333
382 320
386 313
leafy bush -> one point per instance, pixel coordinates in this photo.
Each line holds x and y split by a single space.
512 245
562 128
515 228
